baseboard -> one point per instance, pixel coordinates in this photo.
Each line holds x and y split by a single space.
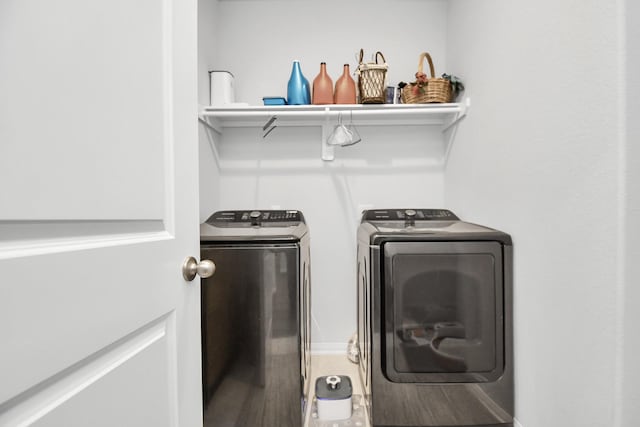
328 348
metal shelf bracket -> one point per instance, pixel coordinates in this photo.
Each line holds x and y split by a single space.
328 150
464 106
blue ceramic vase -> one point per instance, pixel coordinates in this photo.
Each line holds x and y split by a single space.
298 89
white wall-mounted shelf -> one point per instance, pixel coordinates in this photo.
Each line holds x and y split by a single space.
444 116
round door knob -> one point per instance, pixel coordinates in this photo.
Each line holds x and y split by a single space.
191 268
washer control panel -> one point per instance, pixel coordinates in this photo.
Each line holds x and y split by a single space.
409 215
266 218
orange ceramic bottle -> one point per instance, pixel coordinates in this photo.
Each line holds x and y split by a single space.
322 87
345 92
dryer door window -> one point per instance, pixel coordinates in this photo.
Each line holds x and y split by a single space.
443 311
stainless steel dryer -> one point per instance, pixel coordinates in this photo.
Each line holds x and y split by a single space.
256 319
434 320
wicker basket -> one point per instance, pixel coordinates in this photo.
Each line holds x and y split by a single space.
431 89
371 80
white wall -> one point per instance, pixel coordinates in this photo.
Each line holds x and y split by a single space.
286 172
207 49
259 39
539 156
388 169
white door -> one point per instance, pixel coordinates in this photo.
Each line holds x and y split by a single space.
98 209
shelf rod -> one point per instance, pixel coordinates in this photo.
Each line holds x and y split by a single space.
330 113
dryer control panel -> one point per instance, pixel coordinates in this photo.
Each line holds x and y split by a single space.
409 215
266 218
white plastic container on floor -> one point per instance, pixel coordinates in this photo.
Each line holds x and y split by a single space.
333 397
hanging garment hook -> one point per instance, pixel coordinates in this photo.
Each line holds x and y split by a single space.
355 135
268 127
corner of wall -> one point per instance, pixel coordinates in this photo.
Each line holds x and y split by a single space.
208 168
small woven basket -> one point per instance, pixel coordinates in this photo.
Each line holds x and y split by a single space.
434 90
371 80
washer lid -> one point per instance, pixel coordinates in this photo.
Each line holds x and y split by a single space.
254 225
422 224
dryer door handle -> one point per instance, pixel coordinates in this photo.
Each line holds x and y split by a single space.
448 330
444 330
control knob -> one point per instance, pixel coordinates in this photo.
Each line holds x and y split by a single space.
255 217
410 216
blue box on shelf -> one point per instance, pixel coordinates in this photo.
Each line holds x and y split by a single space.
274 100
